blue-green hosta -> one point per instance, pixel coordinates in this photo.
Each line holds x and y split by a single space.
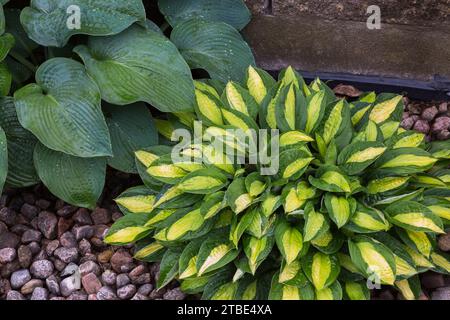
95 65
356 202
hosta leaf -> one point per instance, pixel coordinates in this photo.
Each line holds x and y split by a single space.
417 240
258 82
164 170
373 259
269 204
171 197
387 184
63 110
144 158
188 259
292 274
288 106
440 149
291 138
410 288
356 291
335 121
6 43
232 12
405 265
408 139
328 242
331 179
405 161
340 209
208 107
78 181
212 204
128 229
149 251
239 99
23 44
138 199
169 267
333 292
315 110
358 156
237 196
139 65
47 22
131 129
321 269
204 181
441 261
289 241
3 158
291 200
255 184
257 250
387 107
293 163
238 228
367 220
279 291
214 46
190 222
315 224
414 216
21 143
214 254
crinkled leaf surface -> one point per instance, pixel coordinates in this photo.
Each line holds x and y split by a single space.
47 21
3 158
78 181
233 12
214 46
131 129
139 65
5 79
63 110
21 143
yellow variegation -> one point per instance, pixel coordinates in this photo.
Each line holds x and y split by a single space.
333 177
294 137
190 222
386 184
145 157
208 108
289 271
214 257
440 261
410 141
377 263
441 211
321 270
405 289
290 293
255 85
382 111
148 250
313 111
235 99
405 160
292 244
137 204
125 235
417 219
366 155
333 123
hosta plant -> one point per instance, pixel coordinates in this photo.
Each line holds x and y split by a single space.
344 201
79 80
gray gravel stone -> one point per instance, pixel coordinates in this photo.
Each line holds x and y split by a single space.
91 283
109 277
69 270
429 113
444 242
78 295
68 240
84 246
29 211
8 216
9 240
101 216
7 255
89 267
66 255
122 261
422 126
106 293
83 232
31 236
47 223
52 284
441 294
139 296
14 295
174 294
40 294
145 289
82 217
31 285
19 278
122 280
70 285
440 124
42 269
431 280
126 292
51 247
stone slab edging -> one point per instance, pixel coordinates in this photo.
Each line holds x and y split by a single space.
416 55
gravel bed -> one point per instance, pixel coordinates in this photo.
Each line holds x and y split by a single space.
50 250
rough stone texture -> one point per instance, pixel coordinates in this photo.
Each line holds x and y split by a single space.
317 45
258 6
422 12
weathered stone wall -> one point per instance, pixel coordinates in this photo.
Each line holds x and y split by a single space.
332 37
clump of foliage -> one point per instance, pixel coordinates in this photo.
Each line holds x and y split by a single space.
77 79
355 197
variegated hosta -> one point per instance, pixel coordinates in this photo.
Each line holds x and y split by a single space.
356 202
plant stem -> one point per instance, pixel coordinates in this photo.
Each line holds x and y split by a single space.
23 61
